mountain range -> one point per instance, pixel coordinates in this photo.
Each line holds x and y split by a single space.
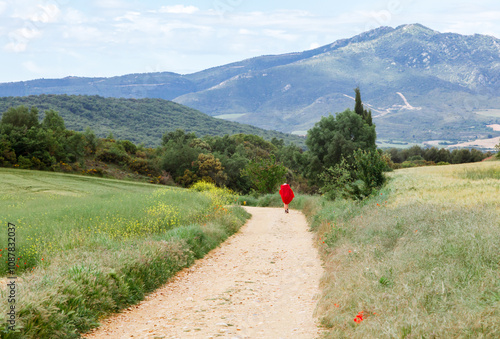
421 85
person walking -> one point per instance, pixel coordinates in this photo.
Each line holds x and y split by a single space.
286 195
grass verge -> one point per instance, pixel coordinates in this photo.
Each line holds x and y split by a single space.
94 246
419 259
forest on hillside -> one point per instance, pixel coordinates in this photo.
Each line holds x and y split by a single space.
142 121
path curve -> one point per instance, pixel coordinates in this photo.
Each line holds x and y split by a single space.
261 283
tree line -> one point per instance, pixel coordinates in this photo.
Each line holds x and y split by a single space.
418 155
342 159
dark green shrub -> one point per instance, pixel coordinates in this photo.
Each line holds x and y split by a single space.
141 166
112 152
128 146
23 162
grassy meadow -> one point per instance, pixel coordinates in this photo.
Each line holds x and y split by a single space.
87 247
421 258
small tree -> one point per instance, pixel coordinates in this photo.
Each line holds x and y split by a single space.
369 169
265 174
360 110
355 178
53 121
337 137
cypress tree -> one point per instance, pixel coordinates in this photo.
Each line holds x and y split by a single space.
358 107
360 110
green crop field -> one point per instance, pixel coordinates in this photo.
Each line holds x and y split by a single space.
86 247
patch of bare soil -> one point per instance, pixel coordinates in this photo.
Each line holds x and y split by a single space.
262 282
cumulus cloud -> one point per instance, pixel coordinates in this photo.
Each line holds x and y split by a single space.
20 38
179 9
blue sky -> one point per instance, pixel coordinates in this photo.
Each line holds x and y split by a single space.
58 38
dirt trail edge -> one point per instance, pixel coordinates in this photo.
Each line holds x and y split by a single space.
262 282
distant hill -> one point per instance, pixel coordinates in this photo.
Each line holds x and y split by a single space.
420 84
138 120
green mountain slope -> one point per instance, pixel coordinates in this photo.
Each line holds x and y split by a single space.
137 120
420 84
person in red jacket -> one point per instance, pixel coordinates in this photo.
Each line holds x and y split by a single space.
286 195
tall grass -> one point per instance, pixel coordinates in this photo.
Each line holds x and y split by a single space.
480 172
420 259
90 246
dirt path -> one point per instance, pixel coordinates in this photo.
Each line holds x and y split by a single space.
261 283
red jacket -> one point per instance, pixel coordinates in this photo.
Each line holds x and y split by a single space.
286 193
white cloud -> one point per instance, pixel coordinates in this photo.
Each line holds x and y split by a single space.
40 13
179 9
84 33
130 16
3 6
281 34
16 46
46 14
112 4
74 16
314 45
244 31
26 33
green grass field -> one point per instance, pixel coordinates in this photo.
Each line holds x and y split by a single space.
420 259
86 247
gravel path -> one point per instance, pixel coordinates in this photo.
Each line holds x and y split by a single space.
261 283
